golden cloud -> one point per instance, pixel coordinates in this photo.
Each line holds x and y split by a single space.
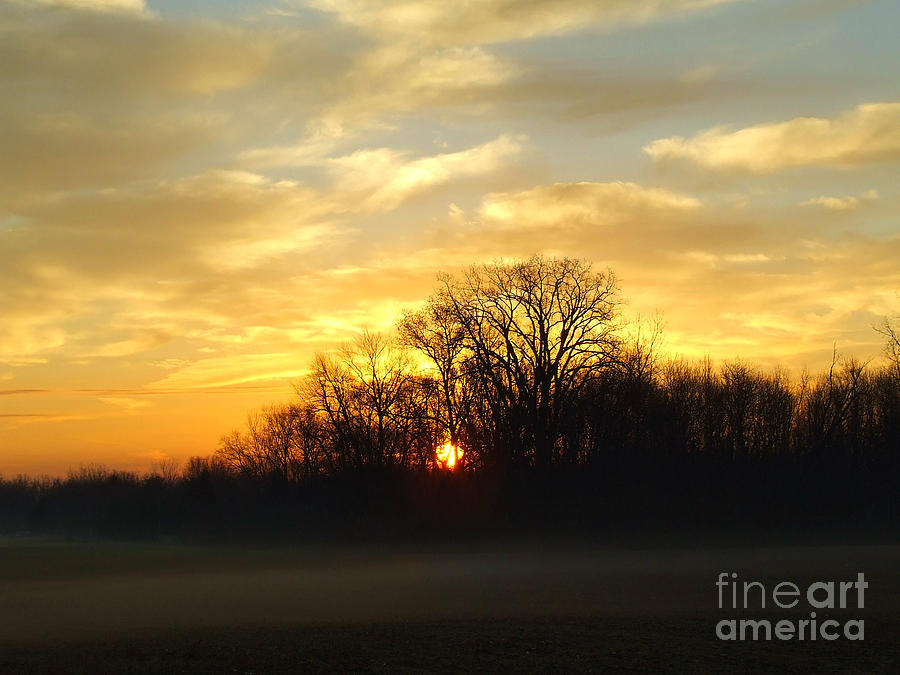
385 178
91 5
848 203
495 21
129 406
232 370
85 56
577 204
867 134
97 99
170 256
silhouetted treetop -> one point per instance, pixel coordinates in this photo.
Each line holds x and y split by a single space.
534 333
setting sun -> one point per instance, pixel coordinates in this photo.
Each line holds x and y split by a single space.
448 455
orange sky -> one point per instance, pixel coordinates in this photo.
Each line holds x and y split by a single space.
194 201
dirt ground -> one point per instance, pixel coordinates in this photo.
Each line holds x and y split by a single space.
516 607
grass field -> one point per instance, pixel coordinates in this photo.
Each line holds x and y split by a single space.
69 606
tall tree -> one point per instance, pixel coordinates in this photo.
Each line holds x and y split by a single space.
891 332
536 331
436 333
361 395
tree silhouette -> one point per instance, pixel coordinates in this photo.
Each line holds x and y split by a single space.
892 343
531 369
536 332
437 334
364 396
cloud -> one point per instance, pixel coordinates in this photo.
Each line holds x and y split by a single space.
155 260
91 5
867 134
605 100
232 370
569 205
842 203
398 77
50 152
617 223
83 56
24 337
46 417
132 346
385 178
166 227
699 74
96 99
714 260
129 406
440 56
102 64
312 151
494 21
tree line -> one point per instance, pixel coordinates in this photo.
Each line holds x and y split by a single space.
559 412
529 366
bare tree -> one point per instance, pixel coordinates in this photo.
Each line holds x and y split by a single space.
168 470
639 353
436 333
312 454
359 394
892 346
274 433
236 450
270 446
537 331
835 408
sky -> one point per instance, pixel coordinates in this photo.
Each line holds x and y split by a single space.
195 198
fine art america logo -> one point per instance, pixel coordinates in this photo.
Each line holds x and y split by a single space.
819 595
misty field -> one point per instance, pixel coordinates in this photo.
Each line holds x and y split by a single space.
546 606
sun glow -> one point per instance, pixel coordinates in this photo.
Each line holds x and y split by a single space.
448 455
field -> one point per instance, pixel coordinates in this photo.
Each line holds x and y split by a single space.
514 606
